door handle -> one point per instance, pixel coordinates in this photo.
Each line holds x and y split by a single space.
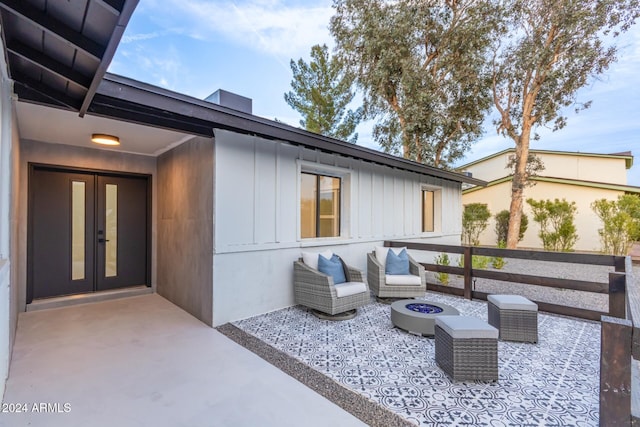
101 240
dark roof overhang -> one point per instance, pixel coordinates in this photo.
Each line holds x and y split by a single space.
58 52
134 101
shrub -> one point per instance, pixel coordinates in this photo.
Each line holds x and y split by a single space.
442 259
502 226
557 229
621 222
498 262
479 262
475 219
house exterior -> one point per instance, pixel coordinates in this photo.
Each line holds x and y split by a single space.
577 177
205 204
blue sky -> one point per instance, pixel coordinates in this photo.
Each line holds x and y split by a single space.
198 46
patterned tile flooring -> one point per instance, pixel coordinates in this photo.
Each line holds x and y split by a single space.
552 383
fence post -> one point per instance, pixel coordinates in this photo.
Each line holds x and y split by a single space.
615 372
617 291
468 258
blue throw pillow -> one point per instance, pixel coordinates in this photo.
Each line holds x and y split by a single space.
332 267
397 264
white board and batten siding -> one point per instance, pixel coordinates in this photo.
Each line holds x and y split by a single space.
257 217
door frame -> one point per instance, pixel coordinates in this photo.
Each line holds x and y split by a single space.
32 166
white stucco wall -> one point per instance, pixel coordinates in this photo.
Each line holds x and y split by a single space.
498 197
256 215
584 168
578 166
492 168
5 332
6 257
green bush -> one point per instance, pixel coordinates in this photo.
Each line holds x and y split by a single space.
479 262
502 226
475 219
442 259
556 220
621 222
498 262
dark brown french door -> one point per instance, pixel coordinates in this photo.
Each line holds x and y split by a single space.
88 232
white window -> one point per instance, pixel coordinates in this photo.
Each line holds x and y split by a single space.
431 201
323 201
320 200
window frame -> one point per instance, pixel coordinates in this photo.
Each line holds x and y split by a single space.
344 221
437 209
432 227
318 213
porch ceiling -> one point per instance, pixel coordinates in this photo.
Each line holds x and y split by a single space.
58 50
53 125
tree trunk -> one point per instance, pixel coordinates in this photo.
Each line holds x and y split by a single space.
517 186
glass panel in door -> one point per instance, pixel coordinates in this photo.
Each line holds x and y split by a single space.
111 226
78 229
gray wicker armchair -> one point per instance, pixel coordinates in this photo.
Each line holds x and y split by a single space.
316 290
384 288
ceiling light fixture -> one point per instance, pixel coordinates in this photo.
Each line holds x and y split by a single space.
101 138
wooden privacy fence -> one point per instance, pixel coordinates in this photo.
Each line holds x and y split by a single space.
620 326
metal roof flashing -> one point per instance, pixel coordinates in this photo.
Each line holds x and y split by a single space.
119 97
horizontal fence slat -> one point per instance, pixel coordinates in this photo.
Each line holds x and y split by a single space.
563 310
566 257
618 262
445 289
443 268
581 313
426 247
578 285
553 282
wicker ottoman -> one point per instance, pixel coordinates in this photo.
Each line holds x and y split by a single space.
515 317
466 348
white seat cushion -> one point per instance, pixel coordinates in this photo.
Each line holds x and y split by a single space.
402 279
381 253
512 302
311 258
466 327
350 288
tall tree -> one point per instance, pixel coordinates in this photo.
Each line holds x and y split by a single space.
421 66
554 48
321 93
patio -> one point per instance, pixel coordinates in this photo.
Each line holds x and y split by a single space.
142 361
554 382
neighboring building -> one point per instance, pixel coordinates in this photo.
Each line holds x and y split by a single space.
205 204
578 177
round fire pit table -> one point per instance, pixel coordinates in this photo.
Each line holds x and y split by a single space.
419 316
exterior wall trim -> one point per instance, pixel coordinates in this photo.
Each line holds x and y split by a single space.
628 158
591 184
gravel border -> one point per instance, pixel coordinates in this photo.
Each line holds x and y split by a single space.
365 410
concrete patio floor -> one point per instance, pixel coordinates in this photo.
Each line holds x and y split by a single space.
143 361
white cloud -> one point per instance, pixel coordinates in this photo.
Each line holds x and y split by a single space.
164 70
130 38
272 27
